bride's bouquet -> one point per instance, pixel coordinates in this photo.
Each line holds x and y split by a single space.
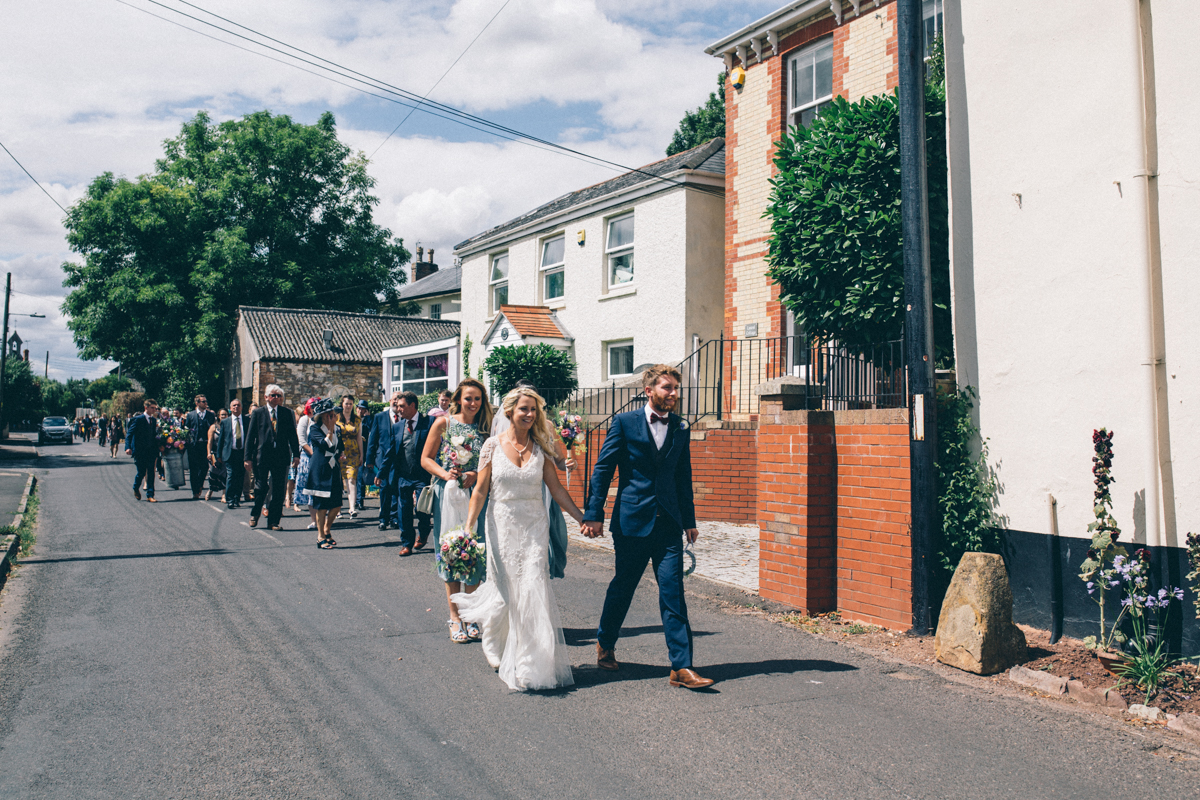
570 428
459 553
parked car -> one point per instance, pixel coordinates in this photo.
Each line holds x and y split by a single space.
55 430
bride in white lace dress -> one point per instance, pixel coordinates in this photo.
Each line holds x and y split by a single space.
516 607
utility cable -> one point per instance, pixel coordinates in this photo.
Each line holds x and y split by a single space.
35 180
439 80
376 83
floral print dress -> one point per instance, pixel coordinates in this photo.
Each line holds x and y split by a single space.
461 443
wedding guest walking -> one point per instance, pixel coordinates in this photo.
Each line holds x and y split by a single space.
443 404
290 491
522 631
231 449
102 430
653 512
451 456
401 441
350 433
324 483
300 500
197 424
216 471
366 473
116 434
141 442
271 446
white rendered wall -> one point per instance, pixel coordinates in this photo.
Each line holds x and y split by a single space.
678 285
1051 290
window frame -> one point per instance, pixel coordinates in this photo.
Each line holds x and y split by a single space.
494 284
808 51
546 271
609 347
611 253
400 384
931 10
435 310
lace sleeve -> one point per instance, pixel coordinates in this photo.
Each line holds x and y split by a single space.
485 454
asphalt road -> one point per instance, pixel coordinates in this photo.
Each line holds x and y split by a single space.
168 650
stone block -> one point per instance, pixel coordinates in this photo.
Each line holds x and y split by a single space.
1042 681
1113 699
975 631
1148 713
1186 724
1083 694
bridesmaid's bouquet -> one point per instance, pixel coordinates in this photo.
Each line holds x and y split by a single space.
570 429
460 553
459 451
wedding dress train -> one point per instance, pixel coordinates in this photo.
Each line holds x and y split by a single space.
516 606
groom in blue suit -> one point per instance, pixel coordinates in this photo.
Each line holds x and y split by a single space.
653 512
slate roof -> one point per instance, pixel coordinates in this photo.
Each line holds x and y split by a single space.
709 157
444 281
295 334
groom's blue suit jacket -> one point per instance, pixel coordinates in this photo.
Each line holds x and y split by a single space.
649 478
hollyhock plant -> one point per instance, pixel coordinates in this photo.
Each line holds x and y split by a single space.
1096 571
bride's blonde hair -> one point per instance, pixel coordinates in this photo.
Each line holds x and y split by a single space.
542 431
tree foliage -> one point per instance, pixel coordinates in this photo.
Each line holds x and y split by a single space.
702 125
835 249
22 394
257 211
546 367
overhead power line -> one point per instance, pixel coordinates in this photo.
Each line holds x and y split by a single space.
443 77
35 180
422 103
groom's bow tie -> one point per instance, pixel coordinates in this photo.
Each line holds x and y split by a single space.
657 418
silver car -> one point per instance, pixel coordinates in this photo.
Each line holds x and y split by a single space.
55 430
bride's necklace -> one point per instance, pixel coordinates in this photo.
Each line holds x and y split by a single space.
520 450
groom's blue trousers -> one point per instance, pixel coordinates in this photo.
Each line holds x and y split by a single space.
663 548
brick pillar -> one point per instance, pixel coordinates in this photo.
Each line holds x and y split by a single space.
797 507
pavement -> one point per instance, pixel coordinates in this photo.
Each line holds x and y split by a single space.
169 651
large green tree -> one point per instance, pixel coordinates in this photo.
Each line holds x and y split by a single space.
256 211
702 125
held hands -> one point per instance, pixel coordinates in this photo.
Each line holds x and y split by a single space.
468 479
592 529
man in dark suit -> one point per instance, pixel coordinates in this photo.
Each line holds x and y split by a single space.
230 447
400 437
366 473
197 423
271 445
653 512
142 444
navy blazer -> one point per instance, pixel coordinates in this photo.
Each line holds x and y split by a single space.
321 474
223 446
649 479
139 437
369 441
391 465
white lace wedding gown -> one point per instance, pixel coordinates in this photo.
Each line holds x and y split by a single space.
515 606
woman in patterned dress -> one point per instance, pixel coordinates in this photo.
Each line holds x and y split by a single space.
350 432
452 457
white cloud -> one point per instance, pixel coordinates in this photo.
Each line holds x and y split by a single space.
97 86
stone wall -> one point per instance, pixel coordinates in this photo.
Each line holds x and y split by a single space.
301 381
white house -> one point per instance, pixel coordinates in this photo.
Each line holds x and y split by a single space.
1075 225
437 291
633 268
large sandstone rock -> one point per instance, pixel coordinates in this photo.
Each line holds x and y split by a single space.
975 631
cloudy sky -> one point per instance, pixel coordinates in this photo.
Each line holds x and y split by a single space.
93 85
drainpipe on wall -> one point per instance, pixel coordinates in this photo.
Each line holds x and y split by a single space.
1160 494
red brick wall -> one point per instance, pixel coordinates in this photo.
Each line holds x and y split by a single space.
724 472
833 512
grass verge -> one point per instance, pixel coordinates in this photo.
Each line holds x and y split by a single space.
28 524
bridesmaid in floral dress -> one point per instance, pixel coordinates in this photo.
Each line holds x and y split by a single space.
452 457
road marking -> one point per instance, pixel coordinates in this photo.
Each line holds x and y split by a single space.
264 533
214 508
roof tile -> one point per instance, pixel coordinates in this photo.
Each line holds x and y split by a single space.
295 334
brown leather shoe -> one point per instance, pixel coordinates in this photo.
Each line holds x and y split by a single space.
137 494
254 522
607 659
151 500
405 551
688 679
276 527
420 543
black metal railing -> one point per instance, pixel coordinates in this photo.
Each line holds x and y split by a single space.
720 378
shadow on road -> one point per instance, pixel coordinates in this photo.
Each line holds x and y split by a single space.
579 637
588 676
220 551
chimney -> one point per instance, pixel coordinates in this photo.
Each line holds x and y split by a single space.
423 268
26 356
